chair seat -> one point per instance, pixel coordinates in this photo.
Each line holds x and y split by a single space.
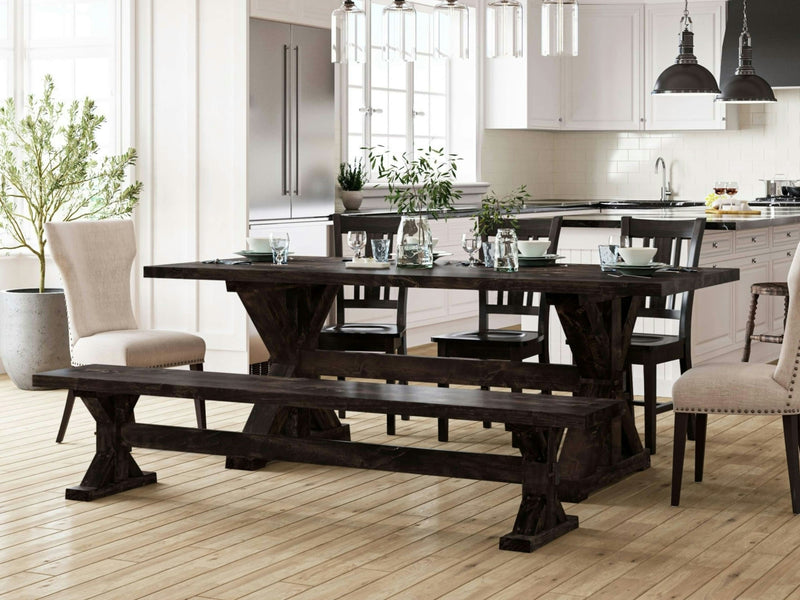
650 346
501 337
139 348
376 329
770 288
732 388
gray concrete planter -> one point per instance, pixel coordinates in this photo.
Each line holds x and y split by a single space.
33 333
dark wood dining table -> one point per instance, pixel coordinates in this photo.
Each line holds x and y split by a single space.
289 304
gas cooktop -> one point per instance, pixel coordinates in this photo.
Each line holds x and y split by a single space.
778 201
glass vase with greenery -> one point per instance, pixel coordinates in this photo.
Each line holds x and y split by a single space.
49 171
419 187
498 212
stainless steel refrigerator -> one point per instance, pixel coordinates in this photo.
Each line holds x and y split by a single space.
291 151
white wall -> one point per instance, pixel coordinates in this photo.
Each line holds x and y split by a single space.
621 164
191 134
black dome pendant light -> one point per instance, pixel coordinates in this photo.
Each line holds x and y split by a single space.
686 76
745 87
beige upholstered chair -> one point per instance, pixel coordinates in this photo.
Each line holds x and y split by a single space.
95 260
744 388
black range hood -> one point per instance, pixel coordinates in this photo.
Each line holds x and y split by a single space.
775 28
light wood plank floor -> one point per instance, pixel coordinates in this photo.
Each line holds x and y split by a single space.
308 532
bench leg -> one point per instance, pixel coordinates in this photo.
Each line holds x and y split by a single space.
113 469
541 518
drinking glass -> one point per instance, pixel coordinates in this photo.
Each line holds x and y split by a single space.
356 240
471 243
380 249
720 187
731 188
280 247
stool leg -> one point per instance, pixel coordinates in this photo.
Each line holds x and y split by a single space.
751 323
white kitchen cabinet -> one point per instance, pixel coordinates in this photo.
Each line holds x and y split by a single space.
603 84
315 13
622 50
524 93
662 28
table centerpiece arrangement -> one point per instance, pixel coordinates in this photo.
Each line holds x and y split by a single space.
496 214
351 178
420 186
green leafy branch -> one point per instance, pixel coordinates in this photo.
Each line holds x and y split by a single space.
497 212
420 184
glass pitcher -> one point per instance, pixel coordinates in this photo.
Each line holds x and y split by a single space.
505 251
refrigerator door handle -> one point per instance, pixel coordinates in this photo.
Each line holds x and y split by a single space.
285 167
297 120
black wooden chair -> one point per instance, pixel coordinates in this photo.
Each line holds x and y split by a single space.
650 350
505 344
389 338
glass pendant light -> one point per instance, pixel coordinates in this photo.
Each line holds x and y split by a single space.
450 30
686 76
399 32
504 28
559 28
745 87
348 34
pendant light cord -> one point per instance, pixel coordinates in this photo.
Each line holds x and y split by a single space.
744 13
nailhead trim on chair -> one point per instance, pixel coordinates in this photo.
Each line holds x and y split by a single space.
739 411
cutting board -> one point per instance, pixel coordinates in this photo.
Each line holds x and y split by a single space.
714 211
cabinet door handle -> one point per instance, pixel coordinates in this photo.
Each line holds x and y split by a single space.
754 260
789 254
714 266
754 240
715 245
788 234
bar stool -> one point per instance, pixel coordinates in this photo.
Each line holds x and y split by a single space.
773 288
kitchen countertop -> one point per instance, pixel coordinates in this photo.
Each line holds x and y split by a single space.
587 213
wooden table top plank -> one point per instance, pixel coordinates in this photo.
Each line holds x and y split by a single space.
558 279
521 409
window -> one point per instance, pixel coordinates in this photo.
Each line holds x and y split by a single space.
406 106
76 42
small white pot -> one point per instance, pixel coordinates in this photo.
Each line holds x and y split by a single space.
352 199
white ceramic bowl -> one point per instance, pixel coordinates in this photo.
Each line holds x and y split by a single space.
259 244
637 256
533 248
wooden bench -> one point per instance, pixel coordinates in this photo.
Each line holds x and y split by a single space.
538 422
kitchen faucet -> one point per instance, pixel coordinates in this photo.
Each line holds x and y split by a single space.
665 187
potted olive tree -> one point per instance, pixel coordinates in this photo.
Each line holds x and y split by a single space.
419 188
352 177
49 171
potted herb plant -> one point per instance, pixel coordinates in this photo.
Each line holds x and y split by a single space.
419 187
498 212
49 171
352 177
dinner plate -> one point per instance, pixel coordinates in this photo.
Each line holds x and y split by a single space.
256 256
648 266
538 261
366 264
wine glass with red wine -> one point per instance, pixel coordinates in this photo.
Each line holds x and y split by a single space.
720 187
731 188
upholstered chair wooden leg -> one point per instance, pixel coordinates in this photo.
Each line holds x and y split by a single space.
199 403
390 424
700 424
790 438
62 429
678 450
342 414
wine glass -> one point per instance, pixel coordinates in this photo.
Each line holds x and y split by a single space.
720 187
731 188
357 240
471 243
